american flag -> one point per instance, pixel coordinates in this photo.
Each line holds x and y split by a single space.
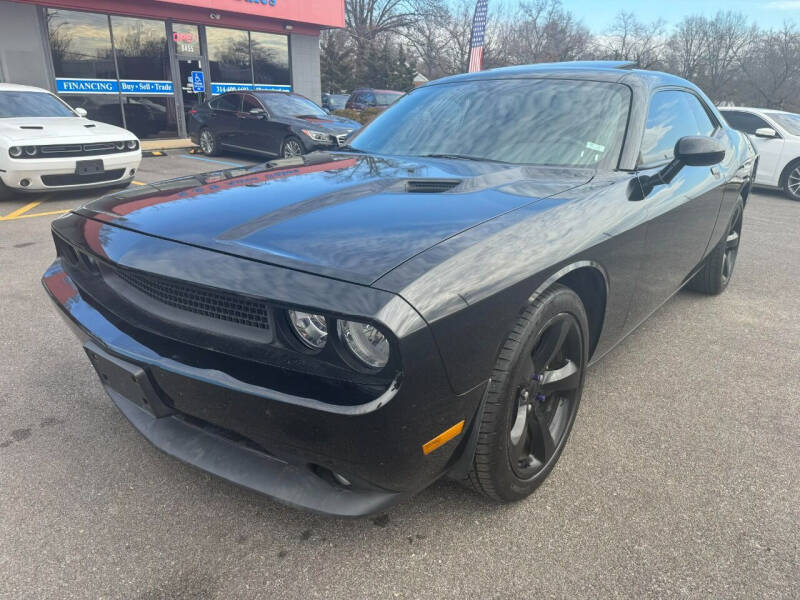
476 40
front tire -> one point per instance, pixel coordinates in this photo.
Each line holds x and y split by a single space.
717 268
791 181
6 193
532 398
208 142
291 147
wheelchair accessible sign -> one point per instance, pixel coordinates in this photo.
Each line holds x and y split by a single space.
198 82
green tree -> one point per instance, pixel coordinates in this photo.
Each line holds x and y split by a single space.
336 63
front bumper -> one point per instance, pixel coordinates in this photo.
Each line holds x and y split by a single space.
39 172
282 446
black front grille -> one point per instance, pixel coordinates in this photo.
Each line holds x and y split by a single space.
73 179
198 299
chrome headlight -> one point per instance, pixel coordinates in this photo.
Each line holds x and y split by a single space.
132 144
15 152
30 150
318 136
119 145
366 343
310 328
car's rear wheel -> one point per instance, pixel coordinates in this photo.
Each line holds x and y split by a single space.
791 181
208 142
532 398
718 266
291 147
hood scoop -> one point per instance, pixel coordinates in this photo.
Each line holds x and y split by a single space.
90 125
430 186
31 127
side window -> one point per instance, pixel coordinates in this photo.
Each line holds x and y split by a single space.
369 98
250 102
673 114
226 102
743 121
358 97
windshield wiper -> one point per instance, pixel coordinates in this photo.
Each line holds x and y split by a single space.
463 157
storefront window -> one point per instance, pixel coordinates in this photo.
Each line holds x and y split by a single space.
81 44
141 47
186 39
100 107
150 116
228 55
270 58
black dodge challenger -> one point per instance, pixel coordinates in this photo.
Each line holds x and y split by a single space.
341 329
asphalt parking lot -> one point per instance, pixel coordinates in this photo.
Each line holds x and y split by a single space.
681 479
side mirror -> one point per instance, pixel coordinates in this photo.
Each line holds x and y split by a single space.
690 151
81 112
258 112
766 132
699 151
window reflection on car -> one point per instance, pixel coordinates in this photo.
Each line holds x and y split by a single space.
291 106
535 121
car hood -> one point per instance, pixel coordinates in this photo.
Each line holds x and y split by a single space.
35 130
328 124
350 216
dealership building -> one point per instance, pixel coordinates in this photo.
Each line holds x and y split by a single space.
143 64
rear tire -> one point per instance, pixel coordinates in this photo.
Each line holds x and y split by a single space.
717 268
208 142
790 182
532 398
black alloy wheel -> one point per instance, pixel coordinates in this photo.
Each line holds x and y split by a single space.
533 397
208 142
717 268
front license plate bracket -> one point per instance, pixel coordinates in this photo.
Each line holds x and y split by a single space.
130 380
89 167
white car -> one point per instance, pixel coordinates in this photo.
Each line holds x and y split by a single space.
46 145
776 137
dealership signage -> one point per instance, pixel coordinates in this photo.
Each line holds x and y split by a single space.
221 88
66 85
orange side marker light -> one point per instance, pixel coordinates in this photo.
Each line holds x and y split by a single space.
443 438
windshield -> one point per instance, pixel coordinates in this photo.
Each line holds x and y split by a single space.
522 121
32 104
285 105
337 101
387 98
789 121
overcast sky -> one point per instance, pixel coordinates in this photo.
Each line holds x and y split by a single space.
598 14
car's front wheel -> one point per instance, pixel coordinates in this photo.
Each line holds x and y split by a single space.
291 147
532 398
208 142
6 193
791 181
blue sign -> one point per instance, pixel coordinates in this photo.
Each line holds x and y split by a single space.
66 85
221 88
198 82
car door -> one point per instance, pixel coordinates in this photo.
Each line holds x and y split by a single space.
770 150
224 121
256 131
682 214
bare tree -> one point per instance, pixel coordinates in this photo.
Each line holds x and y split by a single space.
728 39
368 20
772 70
630 39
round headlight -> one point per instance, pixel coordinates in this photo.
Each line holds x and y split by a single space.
310 328
30 150
366 343
15 151
120 145
132 144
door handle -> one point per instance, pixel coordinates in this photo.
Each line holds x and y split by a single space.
715 171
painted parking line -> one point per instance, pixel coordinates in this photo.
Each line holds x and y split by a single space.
213 160
22 212
138 183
